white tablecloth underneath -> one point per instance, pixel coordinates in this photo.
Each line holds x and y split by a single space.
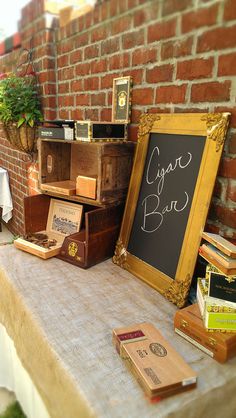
14 377
5 196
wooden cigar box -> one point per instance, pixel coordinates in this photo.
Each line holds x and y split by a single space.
56 220
159 369
189 324
88 131
61 162
95 240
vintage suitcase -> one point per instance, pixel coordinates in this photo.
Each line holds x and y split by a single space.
189 324
88 131
61 162
159 369
92 244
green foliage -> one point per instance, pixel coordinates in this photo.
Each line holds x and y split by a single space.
13 411
19 101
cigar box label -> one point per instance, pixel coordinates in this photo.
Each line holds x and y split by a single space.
131 336
222 287
225 321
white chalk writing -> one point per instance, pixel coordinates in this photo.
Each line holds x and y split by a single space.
153 214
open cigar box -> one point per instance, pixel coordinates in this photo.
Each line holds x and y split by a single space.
92 242
60 220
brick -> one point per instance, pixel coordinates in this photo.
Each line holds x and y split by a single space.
218 188
91 51
119 61
63 61
161 30
142 96
76 85
123 6
133 39
49 89
217 39
99 33
193 69
173 6
75 57
120 25
206 16
86 21
48 63
65 101
49 101
91 114
66 73
77 114
91 83
171 94
107 80
227 64
82 69
232 143
231 110
228 168
80 40
104 11
99 66
145 15
106 115
211 92
231 191
109 46
226 215
98 99
230 10
135 115
144 56
113 6
47 76
177 48
82 100
160 73
133 133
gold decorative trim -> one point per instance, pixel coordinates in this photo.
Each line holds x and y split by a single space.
146 123
217 124
120 255
178 291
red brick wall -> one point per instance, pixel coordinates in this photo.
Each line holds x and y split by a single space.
181 55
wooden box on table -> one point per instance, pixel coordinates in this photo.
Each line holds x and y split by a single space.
92 244
110 163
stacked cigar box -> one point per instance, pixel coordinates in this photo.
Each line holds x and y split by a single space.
210 324
158 368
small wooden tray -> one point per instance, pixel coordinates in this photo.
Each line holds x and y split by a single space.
67 187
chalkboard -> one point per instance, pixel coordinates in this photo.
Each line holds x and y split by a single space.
165 198
173 176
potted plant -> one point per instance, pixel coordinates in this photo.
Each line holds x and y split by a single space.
19 110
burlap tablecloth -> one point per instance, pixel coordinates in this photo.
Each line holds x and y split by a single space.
61 319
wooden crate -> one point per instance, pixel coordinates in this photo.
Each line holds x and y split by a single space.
61 162
97 237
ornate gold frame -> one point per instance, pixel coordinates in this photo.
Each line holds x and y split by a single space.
213 127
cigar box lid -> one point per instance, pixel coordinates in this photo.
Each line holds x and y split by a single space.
189 321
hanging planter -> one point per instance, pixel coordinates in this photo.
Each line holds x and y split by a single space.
19 111
23 138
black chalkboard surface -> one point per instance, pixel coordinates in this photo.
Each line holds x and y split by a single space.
167 188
